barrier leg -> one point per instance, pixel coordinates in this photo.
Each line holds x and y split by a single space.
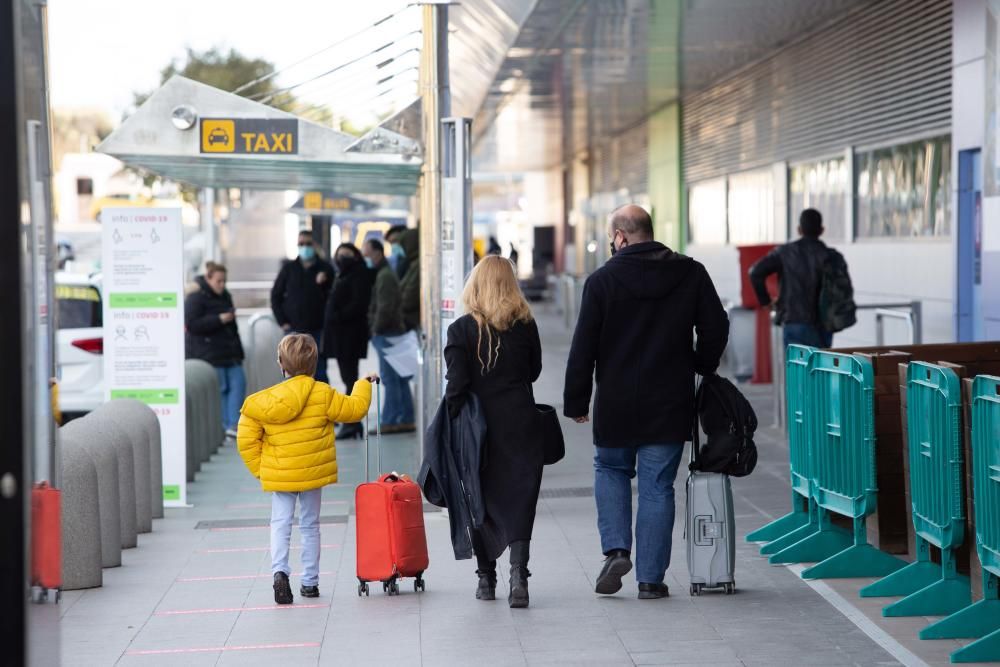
945 596
986 649
859 560
817 547
797 518
976 620
910 579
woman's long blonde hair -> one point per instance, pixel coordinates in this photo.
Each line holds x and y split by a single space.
494 299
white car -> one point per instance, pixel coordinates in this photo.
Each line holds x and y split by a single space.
79 344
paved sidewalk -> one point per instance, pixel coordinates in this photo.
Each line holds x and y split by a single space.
202 595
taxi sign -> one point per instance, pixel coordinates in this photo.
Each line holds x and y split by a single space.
256 136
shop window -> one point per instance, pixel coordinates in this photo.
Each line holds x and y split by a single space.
751 207
904 190
707 213
822 185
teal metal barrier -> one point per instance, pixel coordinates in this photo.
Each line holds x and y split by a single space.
841 422
933 423
982 619
796 524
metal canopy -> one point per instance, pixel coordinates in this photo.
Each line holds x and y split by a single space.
148 139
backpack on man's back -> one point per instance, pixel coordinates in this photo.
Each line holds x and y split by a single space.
837 310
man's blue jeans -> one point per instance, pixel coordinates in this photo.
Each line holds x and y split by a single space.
398 397
796 333
657 468
233 387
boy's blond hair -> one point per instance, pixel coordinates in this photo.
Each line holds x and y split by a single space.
297 354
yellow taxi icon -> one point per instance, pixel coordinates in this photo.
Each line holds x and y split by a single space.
218 136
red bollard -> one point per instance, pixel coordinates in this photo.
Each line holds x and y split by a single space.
749 255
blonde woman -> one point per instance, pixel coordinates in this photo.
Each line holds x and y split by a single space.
494 352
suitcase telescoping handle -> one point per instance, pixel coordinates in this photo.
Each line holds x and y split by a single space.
378 430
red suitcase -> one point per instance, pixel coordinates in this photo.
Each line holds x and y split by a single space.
390 527
46 540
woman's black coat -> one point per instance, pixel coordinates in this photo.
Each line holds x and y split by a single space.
345 324
207 337
514 452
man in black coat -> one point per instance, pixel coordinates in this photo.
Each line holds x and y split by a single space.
298 297
799 266
637 321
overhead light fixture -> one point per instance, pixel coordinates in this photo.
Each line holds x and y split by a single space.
184 117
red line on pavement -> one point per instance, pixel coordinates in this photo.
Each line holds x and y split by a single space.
234 577
182 612
246 549
213 649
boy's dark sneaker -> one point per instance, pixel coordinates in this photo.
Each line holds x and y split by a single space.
653 591
616 566
282 589
309 591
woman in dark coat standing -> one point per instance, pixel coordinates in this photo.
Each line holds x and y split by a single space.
211 335
494 352
345 323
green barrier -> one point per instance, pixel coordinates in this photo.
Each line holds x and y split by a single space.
982 619
840 393
796 524
933 422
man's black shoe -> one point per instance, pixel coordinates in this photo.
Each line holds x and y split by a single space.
616 566
653 591
282 589
309 591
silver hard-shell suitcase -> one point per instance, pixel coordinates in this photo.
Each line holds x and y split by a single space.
710 532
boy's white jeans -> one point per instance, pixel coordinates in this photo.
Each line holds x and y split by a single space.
282 513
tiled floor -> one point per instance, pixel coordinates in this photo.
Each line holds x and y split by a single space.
203 597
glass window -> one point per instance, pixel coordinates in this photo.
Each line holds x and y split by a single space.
751 207
707 213
79 306
904 190
821 185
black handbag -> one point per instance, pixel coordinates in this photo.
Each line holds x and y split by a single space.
551 433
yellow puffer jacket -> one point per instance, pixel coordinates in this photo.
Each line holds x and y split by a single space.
285 434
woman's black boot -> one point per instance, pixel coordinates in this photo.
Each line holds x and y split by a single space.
487 589
518 598
519 553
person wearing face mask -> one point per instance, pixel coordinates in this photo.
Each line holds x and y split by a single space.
299 294
385 320
345 326
211 335
639 316
397 256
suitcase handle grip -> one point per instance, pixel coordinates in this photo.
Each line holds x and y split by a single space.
389 477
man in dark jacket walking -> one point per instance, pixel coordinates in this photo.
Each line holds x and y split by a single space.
799 266
211 335
637 324
385 319
298 297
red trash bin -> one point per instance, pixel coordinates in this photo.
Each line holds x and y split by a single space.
749 255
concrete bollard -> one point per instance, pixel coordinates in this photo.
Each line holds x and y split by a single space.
80 523
203 380
78 435
144 415
108 434
123 415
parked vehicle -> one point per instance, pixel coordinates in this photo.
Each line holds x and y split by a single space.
79 344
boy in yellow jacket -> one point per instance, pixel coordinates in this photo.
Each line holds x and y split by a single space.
285 437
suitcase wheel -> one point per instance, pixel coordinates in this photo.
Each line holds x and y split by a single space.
391 587
695 589
363 589
419 585
730 588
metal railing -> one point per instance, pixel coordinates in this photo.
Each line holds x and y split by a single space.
910 312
